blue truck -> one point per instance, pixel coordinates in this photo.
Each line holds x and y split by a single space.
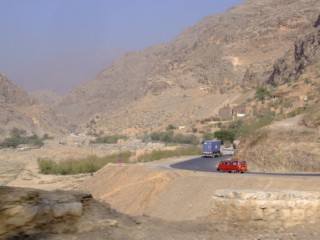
211 148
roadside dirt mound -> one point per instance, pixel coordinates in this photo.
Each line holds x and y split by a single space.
132 189
158 191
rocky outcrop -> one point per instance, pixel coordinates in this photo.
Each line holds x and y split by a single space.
28 212
306 52
266 209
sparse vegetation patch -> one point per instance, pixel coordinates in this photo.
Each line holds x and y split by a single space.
88 164
108 139
169 137
160 154
18 137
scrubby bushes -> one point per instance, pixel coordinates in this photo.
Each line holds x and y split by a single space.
160 154
225 135
262 93
83 165
170 137
108 138
240 128
93 163
18 137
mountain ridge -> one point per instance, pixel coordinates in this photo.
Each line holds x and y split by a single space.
224 53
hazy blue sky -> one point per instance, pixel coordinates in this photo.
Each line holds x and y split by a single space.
56 44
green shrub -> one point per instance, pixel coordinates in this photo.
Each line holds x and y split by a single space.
17 137
170 137
242 128
109 139
170 127
83 165
47 137
262 93
93 163
160 154
225 135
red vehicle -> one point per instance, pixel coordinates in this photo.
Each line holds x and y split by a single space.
233 165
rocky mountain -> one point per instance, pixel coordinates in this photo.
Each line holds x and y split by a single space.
302 57
19 110
293 142
209 65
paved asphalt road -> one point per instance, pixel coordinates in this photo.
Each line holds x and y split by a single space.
210 165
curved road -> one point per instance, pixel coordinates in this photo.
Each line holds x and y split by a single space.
210 165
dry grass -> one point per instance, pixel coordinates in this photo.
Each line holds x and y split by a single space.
82 165
286 151
93 163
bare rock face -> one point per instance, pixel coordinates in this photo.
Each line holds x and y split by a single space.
28 211
304 53
267 209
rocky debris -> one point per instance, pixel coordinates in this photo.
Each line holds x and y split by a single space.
267 209
29 211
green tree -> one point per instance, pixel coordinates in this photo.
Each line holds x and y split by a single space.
225 135
17 137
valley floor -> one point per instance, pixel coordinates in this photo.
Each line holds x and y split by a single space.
169 203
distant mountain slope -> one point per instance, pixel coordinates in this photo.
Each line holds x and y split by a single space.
46 96
19 110
12 95
224 53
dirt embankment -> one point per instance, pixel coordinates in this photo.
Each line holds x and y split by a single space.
171 194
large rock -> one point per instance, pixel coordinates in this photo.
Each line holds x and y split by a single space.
29 211
271 209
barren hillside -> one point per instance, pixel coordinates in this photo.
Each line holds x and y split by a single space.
19 110
291 144
224 53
